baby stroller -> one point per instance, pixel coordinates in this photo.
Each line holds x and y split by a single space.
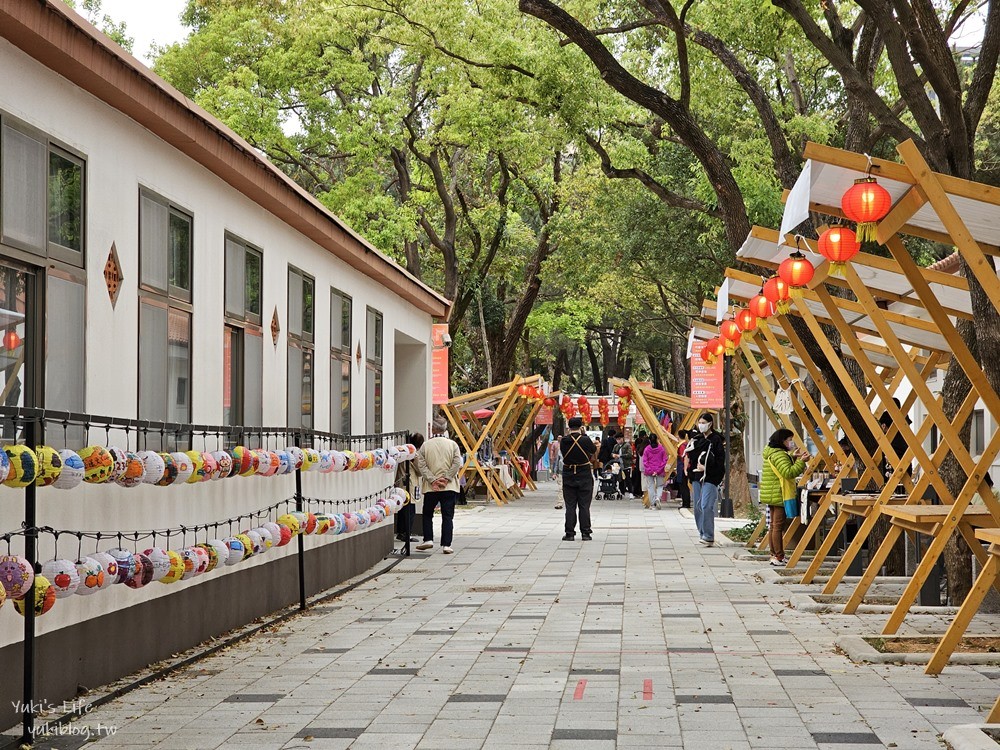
608 485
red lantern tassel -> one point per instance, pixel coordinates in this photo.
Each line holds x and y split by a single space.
838 269
730 347
784 306
865 231
795 292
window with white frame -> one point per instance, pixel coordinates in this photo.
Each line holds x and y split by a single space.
243 345
373 371
340 362
165 246
301 299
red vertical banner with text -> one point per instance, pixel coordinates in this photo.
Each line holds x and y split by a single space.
545 415
706 380
439 363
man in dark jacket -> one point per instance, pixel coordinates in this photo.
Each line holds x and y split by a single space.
577 479
706 469
607 448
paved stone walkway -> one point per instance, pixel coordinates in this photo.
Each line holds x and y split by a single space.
640 638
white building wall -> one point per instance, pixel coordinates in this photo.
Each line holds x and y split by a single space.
122 156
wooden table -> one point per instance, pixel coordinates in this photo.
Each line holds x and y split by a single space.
986 580
848 505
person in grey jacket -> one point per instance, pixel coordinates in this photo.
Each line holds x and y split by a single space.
439 461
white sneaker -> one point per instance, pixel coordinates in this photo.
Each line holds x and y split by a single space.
447 550
425 545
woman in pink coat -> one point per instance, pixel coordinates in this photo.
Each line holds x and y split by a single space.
654 463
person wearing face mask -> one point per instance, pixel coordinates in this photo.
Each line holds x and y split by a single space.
707 466
782 464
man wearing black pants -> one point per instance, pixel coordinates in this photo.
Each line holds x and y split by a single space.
439 460
577 479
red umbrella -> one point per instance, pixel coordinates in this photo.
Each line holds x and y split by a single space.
483 413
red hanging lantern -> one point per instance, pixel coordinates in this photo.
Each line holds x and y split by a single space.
746 321
838 245
522 390
11 340
777 293
761 307
604 411
715 349
730 335
585 410
797 272
866 203
567 407
706 353
623 391
549 401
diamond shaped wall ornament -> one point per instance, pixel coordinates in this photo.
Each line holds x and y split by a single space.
113 276
275 327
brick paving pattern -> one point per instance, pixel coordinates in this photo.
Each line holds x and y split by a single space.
640 638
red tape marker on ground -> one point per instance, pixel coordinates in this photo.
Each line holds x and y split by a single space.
580 687
647 690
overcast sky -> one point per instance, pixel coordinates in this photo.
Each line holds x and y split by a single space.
147 21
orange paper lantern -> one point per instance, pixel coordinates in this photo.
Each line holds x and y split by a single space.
777 292
746 321
797 272
838 245
730 334
867 203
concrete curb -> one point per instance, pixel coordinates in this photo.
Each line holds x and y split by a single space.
970 737
861 651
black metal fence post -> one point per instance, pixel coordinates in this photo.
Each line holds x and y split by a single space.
299 505
726 506
30 553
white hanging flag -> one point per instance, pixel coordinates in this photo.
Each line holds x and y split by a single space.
722 304
690 343
797 205
783 401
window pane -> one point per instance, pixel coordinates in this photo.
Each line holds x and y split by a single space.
235 279
345 324
14 290
370 335
373 420
231 370
180 254
153 243
294 404
253 378
307 308
378 338
65 202
179 384
336 323
307 389
341 379
64 345
152 362
23 190
253 282
294 304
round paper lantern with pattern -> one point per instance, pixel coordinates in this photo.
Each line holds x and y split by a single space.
284 535
350 523
110 566
169 470
98 464
237 550
49 467
311 522
160 561
263 462
119 462
210 467
63 575
16 575
352 460
134 471
91 574
211 556
310 459
197 467
143 575
3 596
337 523
291 522
177 567
362 520
185 468
247 545
152 466
325 462
202 561
221 550
266 538
867 203
256 542
72 472
322 524
126 563
243 461
285 463
390 465
274 530
273 464
297 456
191 562
23 466
44 597
223 464
339 460
4 465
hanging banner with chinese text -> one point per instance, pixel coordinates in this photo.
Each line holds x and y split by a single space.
439 364
706 380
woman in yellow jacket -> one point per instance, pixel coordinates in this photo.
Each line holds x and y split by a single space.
782 464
